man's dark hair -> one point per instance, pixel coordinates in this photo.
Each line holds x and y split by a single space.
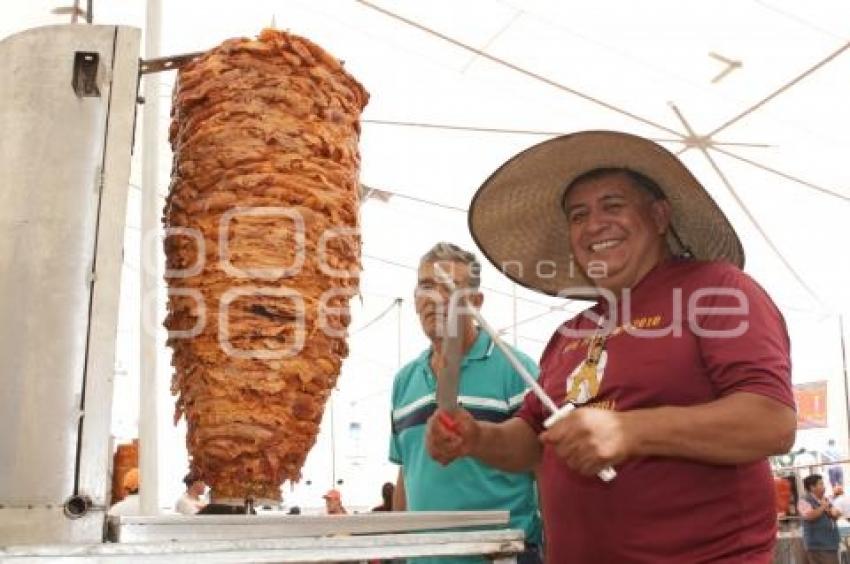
640 180
387 491
811 481
190 479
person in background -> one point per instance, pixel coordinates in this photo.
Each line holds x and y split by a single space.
190 502
489 388
333 503
820 532
835 472
387 491
841 502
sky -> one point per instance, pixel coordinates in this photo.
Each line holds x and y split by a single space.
458 88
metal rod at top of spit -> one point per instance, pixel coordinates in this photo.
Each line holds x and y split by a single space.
509 354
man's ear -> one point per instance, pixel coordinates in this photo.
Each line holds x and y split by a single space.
661 214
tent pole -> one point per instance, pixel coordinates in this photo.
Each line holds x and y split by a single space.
398 335
844 371
148 388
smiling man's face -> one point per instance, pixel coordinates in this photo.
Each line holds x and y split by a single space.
616 230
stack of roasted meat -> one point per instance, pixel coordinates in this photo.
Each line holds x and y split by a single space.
262 252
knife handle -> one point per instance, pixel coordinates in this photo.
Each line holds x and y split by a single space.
448 422
606 474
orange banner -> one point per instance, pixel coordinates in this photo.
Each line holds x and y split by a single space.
811 404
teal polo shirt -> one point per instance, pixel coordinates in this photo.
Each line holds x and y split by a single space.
491 390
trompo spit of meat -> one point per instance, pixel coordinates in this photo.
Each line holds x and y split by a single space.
262 252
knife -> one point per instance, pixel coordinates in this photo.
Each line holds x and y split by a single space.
448 380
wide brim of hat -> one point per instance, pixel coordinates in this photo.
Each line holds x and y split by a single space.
517 220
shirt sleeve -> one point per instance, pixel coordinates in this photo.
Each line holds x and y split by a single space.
395 446
517 388
742 338
803 507
395 449
532 411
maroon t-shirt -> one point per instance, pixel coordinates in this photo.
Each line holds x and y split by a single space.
695 331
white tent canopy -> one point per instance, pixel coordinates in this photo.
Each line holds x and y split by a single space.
753 94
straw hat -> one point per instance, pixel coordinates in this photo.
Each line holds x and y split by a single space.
518 222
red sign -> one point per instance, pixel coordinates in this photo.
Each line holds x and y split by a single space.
811 404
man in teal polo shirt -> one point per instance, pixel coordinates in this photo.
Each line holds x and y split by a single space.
489 388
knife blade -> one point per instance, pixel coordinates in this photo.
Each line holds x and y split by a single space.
448 380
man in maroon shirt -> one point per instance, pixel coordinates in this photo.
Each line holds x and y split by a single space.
681 369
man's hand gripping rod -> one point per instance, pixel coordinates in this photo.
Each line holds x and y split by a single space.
606 474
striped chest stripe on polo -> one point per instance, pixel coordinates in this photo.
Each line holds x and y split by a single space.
516 401
482 409
471 402
406 410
